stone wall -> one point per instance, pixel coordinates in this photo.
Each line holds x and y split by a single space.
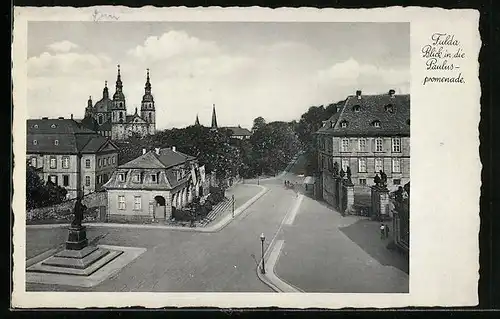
93 200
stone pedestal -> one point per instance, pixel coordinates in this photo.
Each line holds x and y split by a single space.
380 202
350 197
77 238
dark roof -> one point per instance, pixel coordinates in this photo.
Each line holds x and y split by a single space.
103 105
239 131
360 114
106 126
89 123
71 137
330 123
167 158
56 126
130 118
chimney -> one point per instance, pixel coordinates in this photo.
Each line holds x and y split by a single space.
143 151
157 150
61 117
71 115
358 94
173 148
392 92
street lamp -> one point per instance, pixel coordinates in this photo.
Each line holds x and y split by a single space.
233 205
262 238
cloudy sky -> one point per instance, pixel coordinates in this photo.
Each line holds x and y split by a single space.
274 70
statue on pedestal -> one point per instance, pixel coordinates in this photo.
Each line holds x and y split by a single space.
383 179
78 211
348 175
77 236
376 179
342 173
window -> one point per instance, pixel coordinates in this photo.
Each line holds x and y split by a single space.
56 142
35 126
362 165
379 145
376 123
65 162
389 108
53 126
356 108
53 179
35 142
396 144
87 180
53 162
121 115
104 178
345 164
150 117
153 178
34 162
379 165
99 162
87 163
114 160
121 177
121 202
65 180
396 165
99 119
362 144
362 181
396 181
343 124
99 179
137 202
137 178
344 147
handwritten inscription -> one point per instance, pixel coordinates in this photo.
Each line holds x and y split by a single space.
442 56
100 16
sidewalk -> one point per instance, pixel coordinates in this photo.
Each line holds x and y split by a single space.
325 252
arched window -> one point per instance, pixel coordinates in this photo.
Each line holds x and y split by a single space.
35 126
99 119
376 123
343 124
356 108
150 117
121 115
56 142
35 142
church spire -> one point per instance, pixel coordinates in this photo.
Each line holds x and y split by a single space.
119 84
89 102
197 122
105 92
147 98
147 88
214 118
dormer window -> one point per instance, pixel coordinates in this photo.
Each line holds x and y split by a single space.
121 177
137 178
389 108
343 124
153 178
53 126
376 123
35 126
35 142
56 142
356 108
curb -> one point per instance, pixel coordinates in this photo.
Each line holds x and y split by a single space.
211 229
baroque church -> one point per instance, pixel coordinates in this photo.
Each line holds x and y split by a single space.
109 117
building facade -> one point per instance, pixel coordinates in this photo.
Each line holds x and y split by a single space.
69 155
239 133
152 185
368 134
109 116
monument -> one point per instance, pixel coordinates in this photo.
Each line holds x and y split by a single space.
78 258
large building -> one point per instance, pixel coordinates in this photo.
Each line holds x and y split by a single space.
149 186
368 133
109 116
237 132
70 155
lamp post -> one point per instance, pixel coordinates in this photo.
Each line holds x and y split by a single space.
262 238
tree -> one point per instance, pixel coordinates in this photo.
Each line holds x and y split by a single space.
40 194
258 123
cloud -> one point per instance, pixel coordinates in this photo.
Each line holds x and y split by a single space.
58 64
62 46
172 44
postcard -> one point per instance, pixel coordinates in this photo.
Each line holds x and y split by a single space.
245 157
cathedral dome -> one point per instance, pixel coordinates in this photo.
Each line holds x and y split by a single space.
103 105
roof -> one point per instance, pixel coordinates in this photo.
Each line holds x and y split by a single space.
56 126
131 118
239 131
328 128
106 126
103 105
166 159
393 113
89 123
60 136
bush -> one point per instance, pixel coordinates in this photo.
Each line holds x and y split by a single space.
183 215
217 195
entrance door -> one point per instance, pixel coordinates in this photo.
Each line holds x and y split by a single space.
160 207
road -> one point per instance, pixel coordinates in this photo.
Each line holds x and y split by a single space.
225 261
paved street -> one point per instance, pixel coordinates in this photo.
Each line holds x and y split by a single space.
322 251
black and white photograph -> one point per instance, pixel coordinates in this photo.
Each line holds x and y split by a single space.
222 156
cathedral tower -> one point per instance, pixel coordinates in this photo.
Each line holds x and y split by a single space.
89 110
119 110
214 119
148 112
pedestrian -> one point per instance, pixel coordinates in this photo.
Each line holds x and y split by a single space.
382 231
386 228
